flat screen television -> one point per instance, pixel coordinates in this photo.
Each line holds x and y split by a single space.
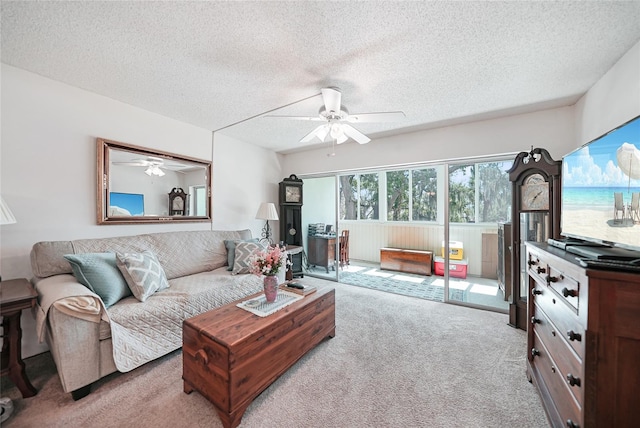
600 192
131 203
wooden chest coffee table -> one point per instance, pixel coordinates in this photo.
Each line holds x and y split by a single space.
231 355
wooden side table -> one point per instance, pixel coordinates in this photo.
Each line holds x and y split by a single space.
15 295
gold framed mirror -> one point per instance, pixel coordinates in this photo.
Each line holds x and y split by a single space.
137 185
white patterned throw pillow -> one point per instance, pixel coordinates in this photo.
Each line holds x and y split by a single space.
143 273
244 253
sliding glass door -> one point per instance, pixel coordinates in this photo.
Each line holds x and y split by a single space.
479 198
320 237
450 210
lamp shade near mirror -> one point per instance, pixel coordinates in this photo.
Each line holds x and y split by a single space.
267 211
6 216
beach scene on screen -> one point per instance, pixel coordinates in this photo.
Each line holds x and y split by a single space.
601 188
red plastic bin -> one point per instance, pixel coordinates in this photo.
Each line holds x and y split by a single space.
457 268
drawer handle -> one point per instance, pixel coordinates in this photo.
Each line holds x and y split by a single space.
571 424
202 356
566 292
534 352
572 335
535 291
535 320
532 262
572 380
551 279
540 270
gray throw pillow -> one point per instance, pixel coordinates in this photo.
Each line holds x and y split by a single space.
100 274
244 253
231 249
143 273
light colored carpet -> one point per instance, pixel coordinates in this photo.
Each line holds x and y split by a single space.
395 361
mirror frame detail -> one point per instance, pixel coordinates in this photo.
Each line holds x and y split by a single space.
103 147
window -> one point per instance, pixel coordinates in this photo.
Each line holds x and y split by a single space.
494 188
424 192
348 197
369 206
462 193
359 197
398 195
479 192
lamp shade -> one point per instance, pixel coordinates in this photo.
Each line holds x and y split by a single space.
6 216
267 211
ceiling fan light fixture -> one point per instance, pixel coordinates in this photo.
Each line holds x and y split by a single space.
154 170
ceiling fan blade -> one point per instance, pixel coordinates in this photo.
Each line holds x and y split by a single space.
308 118
332 98
352 132
320 132
386 116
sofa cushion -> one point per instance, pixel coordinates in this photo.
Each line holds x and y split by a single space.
47 258
100 274
244 256
230 245
143 273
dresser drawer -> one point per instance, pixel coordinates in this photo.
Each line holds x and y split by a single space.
567 288
544 271
568 364
565 402
565 320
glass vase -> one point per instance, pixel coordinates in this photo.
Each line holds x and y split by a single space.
270 288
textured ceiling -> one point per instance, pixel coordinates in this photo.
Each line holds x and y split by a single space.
214 64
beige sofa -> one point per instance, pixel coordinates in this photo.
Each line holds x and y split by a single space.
89 340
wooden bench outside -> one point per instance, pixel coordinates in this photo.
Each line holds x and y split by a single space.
407 261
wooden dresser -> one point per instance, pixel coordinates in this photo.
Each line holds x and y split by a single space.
583 340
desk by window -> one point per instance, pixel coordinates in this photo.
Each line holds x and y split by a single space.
322 251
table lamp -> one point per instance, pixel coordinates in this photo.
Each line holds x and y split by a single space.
267 211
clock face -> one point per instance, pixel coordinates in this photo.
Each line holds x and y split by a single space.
292 194
178 203
535 194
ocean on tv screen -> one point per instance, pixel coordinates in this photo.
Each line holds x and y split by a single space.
591 178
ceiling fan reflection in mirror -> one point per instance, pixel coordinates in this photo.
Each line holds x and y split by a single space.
154 165
337 127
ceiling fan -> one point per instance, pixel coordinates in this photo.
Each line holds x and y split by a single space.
154 165
337 119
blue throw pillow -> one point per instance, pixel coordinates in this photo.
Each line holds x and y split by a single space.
231 249
100 274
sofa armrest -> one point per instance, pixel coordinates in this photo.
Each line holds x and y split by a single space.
71 297
75 347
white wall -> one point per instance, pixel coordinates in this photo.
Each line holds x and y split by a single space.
48 168
614 100
243 176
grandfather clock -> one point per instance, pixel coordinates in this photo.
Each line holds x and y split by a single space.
291 217
535 216
177 202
